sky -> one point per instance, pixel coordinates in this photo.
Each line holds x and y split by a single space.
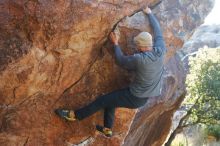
214 16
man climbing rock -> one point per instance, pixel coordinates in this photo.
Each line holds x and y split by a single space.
148 68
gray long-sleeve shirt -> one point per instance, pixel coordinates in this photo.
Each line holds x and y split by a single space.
147 66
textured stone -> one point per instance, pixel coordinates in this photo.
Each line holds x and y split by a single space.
51 56
205 35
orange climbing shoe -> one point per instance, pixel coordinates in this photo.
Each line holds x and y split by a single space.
105 131
66 114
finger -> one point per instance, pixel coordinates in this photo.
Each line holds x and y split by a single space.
112 37
111 34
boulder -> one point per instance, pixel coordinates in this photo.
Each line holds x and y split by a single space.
52 55
205 35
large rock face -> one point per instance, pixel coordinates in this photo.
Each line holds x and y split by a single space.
205 35
51 56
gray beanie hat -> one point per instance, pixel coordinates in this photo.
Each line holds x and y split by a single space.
143 39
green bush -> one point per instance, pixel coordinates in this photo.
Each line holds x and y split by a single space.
203 86
203 93
213 130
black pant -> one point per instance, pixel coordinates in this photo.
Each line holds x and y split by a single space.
108 102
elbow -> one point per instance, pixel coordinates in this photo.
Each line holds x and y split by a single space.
119 59
119 62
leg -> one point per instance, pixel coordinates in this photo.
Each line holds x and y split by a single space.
127 100
109 117
108 100
112 99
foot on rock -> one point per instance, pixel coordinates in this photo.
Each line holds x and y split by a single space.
104 131
66 114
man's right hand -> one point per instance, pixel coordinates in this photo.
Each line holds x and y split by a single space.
147 10
114 38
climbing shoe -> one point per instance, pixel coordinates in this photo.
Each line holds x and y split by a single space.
105 131
66 114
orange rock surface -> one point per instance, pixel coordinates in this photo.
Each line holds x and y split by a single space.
52 55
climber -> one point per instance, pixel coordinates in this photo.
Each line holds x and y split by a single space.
147 65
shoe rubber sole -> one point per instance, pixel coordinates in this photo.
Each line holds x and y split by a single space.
64 114
100 130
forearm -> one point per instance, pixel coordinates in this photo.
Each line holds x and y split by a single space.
127 62
118 54
158 36
155 25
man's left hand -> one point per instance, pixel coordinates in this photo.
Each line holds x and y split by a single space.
114 38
